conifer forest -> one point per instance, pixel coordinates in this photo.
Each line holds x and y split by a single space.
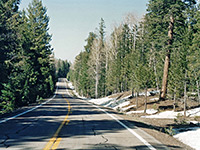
27 65
159 51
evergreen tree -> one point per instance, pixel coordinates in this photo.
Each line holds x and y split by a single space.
194 61
9 52
8 39
39 49
166 17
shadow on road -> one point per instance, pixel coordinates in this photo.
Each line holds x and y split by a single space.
41 124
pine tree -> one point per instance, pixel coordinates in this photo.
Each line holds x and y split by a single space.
9 52
39 49
166 17
194 61
8 40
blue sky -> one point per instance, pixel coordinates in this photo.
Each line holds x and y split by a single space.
72 20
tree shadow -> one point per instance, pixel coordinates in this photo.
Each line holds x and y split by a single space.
40 125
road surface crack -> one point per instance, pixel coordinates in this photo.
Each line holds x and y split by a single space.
20 130
6 139
106 140
93 129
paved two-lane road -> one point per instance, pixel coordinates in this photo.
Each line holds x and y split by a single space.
66 123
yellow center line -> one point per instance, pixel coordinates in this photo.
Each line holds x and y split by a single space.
54 141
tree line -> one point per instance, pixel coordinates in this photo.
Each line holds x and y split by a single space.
27 70
161 51
62 68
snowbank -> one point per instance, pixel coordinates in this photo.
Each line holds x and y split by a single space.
100 100
129 107
148 111
190 138
122 105
70 85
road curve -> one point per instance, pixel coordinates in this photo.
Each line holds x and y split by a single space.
66 123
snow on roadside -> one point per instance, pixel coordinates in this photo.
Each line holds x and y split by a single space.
171 114
100 100
148 111
190 138
70 85
165 114
121 105
129 107
111 102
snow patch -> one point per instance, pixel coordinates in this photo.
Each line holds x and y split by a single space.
122 105
148 111
100 101
129 107
154 99
190 138
171 114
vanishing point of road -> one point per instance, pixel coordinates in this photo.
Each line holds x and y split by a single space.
68 123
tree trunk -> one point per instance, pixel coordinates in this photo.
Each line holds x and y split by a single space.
198 92
96 79
136 100
96 85
145 104
185 96
185 99
174 100
156 76
132 92
167 59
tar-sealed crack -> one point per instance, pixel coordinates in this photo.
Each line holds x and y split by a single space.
106 140
105 144
6 139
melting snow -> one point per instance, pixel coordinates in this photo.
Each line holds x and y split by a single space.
148 111
191 138
122 105
172 114
127 108
100 101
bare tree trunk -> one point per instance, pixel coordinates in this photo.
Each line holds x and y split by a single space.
185 96
134 39
167 59
156 78
198 92
136 100
145 104
132 92
174 100
96 85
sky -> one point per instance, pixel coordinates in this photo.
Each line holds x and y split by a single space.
72 20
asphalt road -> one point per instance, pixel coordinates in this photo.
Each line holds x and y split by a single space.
66 123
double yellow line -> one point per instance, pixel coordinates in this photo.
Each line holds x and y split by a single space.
55 140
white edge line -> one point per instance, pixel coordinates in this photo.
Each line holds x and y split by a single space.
130 130
10 118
